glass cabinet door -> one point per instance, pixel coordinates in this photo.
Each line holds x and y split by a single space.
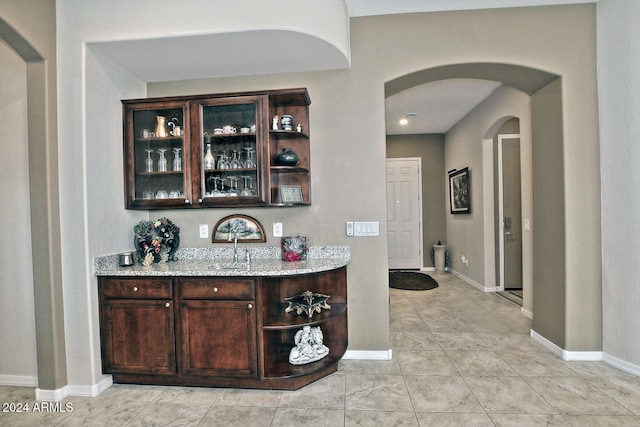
231 151
157 156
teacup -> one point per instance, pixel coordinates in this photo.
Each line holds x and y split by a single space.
228 129
162 195
244 130
218 131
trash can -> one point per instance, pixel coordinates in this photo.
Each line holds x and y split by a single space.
439 252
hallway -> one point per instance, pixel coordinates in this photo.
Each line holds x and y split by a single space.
460 357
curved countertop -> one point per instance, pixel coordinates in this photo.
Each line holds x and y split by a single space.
265 261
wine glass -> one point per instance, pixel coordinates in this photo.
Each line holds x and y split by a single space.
177 161
162 161
216 192
235 163
223 191
248 186
250 162
149 161
233 190
223 163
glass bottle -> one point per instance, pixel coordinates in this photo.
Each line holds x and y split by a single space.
209 160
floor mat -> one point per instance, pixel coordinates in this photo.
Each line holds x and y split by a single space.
411 280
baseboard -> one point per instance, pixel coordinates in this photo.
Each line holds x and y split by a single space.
622 365
91 390
74 390
569 356
473 282
18 380
427 269
52 395
368 355
526 313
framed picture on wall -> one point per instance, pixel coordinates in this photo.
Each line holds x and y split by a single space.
460 191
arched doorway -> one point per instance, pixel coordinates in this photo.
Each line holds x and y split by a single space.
530 82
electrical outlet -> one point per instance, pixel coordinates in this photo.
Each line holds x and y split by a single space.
277 229
204 231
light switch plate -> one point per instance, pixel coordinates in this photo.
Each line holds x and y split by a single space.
204 231
368 229
277 229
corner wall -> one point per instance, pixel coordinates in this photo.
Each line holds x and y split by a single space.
548 225
618 64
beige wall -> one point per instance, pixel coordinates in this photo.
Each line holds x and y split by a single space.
549 298
618 62
30 29
470 144
430 149
348 148
17 314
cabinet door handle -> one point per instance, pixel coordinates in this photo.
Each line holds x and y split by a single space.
187 201
168 304
135 289
215 289
250 306
199 200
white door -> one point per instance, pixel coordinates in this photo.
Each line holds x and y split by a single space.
404 213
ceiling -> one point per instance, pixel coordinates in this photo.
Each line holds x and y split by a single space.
437 105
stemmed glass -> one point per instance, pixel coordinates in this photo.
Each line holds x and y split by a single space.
162 161
250 163
223 163
216 192
149 161
235 163
233 190
177 161
248 187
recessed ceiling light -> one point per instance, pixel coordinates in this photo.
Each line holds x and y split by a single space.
403 121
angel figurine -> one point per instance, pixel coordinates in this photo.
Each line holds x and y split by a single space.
309 347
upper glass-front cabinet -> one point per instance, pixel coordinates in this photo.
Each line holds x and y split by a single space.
230 151
223 150
157 175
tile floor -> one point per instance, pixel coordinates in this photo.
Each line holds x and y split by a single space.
461 357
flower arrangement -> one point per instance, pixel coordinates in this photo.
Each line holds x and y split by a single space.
156 241
294 248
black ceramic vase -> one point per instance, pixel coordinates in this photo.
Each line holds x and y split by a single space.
287 157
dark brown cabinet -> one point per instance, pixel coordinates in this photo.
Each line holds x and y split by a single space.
217 150
218 327
216 331
137 327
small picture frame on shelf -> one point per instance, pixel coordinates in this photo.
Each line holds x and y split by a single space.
291 194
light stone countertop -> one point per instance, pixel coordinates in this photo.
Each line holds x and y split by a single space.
265 261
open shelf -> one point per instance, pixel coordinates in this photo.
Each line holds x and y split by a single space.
278 319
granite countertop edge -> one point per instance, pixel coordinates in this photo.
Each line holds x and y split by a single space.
265 261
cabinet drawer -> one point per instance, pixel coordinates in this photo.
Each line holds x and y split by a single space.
217 289
137 288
